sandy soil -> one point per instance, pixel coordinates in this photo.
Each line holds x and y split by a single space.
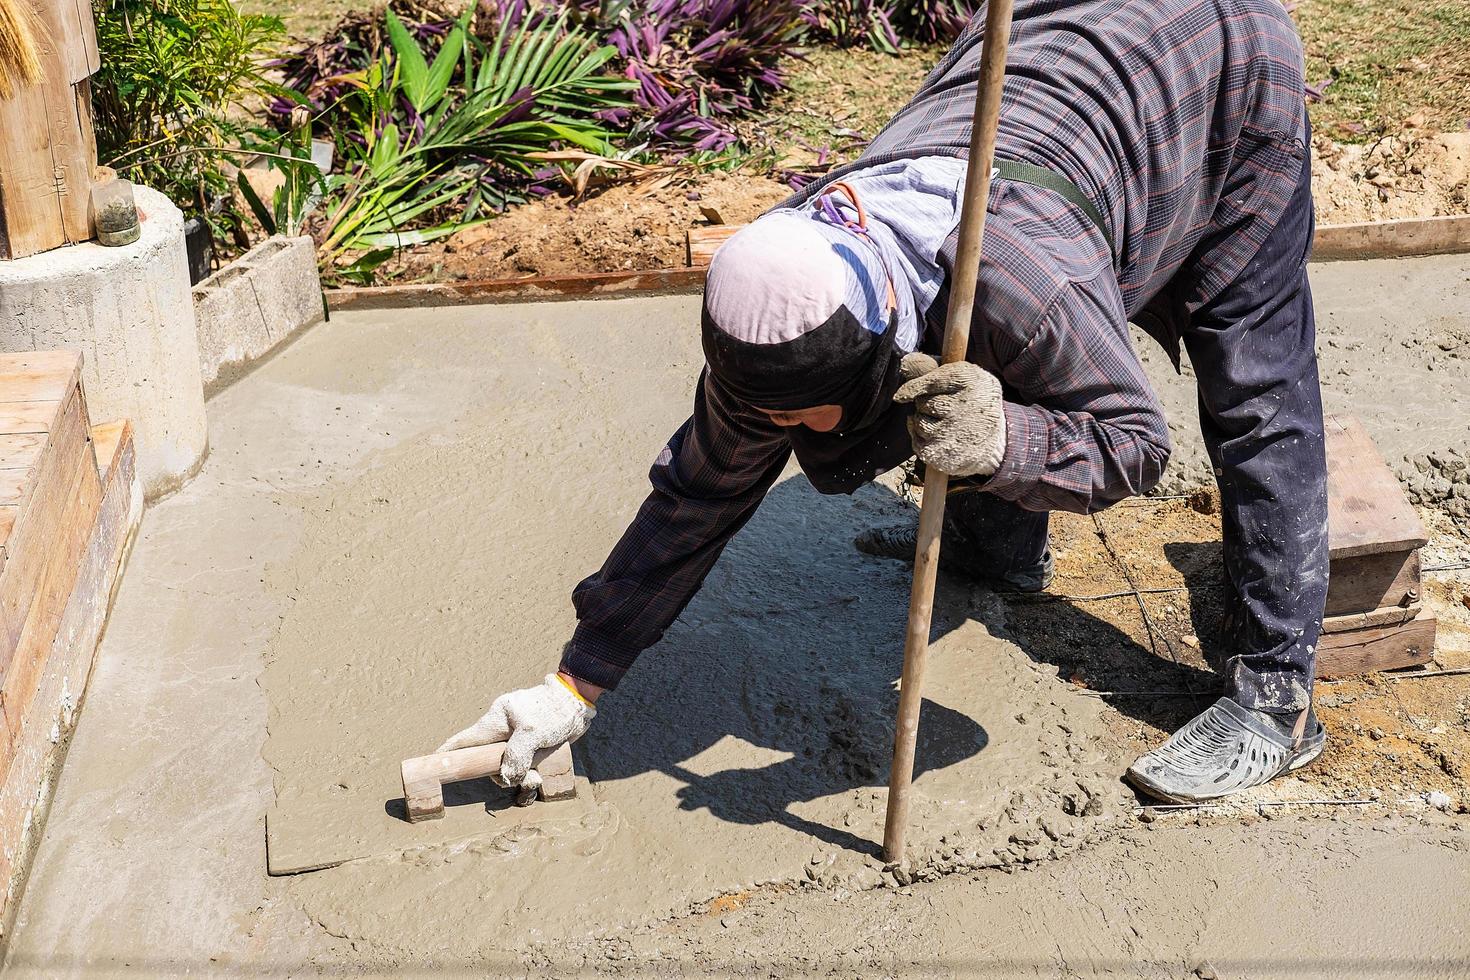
619 229
1416 174
393 512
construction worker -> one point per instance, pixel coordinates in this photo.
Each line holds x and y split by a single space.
1152 165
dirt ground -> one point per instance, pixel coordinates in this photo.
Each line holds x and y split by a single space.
619 229
1414 174
1392 734
1390 142
374 549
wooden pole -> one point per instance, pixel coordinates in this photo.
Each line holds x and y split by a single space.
936 484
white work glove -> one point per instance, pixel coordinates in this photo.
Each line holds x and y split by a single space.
528 721
958 426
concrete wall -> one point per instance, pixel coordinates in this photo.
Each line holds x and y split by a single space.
129 312
253 304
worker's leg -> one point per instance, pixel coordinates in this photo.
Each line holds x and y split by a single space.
985 537
1254 352
1253 348
988 537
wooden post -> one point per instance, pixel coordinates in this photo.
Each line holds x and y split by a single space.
936 485
47 147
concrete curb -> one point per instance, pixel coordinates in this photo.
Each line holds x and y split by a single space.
1400 238
252 305
128 310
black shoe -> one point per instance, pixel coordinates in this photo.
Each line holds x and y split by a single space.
901 540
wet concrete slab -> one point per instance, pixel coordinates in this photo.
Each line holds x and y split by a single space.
385 537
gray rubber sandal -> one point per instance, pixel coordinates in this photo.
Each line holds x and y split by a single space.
898 542
1225 749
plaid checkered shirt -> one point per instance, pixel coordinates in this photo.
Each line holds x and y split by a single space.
1181 120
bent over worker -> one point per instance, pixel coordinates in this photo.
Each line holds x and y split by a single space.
1151 165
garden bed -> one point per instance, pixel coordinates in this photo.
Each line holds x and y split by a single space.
836 99
1386 113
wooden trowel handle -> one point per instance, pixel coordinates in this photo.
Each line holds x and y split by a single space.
424 776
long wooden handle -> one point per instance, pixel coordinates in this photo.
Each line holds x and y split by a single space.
936 485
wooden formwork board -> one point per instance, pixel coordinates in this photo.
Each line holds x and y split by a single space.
60 682
1373 618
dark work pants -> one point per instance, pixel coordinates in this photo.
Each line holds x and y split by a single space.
1253 349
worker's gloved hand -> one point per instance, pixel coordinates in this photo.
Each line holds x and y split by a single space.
958 426
527 721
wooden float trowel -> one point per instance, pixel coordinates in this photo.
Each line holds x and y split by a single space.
424 776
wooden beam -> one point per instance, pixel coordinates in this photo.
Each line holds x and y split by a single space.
1376 648
65 548
1362 582
591 286
48 149
1395 238
1385 616
32 211
1392 239
1367 511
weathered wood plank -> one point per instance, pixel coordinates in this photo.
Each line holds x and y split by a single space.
1376 648
1367 511
1331 243
40 503
20 418
1361 582
45 732
30 212
597 284
1383 616
82 56
700 244
45 376
1392 239
21 451
107 437
62 564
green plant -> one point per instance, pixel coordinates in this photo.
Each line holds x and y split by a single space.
173 75
432 142
301 188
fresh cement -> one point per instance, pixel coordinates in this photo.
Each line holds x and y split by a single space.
388 527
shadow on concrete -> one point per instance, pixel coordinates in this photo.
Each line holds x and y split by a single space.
794 645
481 793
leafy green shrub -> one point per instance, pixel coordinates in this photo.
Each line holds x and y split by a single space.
436 131
165 102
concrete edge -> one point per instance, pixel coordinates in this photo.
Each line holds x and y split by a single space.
1399 238
253 305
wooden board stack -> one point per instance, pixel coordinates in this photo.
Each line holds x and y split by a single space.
65 526
1374 618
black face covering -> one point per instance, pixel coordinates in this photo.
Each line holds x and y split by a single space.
839 363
